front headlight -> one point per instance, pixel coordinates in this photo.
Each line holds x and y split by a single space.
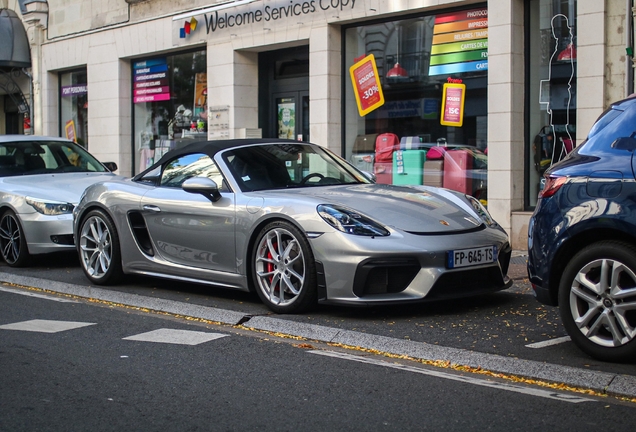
481 211
351 222
50 208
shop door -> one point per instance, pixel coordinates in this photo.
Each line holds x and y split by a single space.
291 110
12 123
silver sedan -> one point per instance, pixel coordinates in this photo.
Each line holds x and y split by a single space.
292 221
41 180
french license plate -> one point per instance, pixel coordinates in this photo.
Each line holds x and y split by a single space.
472 256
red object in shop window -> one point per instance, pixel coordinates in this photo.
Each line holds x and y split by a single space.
385 144
397 71
456 164
435 153
383 172
568 53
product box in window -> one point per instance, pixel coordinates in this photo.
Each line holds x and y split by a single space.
363 161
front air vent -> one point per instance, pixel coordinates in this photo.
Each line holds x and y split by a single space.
140 232
384 276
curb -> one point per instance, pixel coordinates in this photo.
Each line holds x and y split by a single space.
602 382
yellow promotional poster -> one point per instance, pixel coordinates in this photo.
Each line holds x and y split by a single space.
366 85
453 98
70 130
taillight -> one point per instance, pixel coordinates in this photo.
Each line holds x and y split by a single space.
552 185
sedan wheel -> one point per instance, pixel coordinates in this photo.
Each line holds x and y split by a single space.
14 248
597 299
98 248
284 269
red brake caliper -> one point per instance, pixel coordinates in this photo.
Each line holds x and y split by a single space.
270 266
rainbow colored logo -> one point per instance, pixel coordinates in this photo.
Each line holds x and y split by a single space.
188 27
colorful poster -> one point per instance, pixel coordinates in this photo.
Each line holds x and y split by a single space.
453 97
366 85
460 42
200 95
70 131
286 118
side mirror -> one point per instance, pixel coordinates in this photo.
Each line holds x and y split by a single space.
370 176
204 186
112 166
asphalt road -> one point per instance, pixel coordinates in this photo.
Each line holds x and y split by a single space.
81 365
504 324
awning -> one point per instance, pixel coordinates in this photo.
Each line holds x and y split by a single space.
14 49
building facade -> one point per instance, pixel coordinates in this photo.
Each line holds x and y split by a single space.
504 88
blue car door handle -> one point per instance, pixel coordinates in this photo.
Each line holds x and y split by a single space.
152 208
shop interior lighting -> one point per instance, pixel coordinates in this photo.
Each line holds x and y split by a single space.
397 71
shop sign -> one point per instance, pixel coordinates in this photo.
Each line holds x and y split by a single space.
74 90
453 97
248 12
150 81
460 42
426 108
219 122
366 85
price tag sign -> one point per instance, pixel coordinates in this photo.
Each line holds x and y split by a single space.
453 98
366 85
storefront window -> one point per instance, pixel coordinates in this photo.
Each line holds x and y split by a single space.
432 127
74 107
551 83
170 104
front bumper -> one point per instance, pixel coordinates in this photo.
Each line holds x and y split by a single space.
405 267
45 234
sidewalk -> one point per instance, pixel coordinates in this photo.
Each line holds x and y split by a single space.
518 263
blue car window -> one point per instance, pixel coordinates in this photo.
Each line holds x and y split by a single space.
606 118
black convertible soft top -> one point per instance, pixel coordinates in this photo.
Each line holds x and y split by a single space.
211 148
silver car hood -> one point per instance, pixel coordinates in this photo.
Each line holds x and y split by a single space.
66 187
416 209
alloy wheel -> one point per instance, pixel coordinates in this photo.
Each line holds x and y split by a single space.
95 247
602 302
280 267
10 238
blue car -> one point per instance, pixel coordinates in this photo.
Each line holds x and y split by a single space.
582 238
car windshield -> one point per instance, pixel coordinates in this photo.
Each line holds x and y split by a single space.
288 165
41 157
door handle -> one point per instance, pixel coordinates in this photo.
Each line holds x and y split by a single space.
152 208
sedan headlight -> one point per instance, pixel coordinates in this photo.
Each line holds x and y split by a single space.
481 211
50 208
351 222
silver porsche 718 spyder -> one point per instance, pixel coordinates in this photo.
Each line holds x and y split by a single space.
292 221
41 179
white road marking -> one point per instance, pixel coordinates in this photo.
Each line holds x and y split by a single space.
549 394
182 337
45 326
549 342
32 294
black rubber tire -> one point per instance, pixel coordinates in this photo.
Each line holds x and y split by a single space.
100 257
300 274
602 336
13 245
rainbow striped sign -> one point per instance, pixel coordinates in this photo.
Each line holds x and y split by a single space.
460 42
